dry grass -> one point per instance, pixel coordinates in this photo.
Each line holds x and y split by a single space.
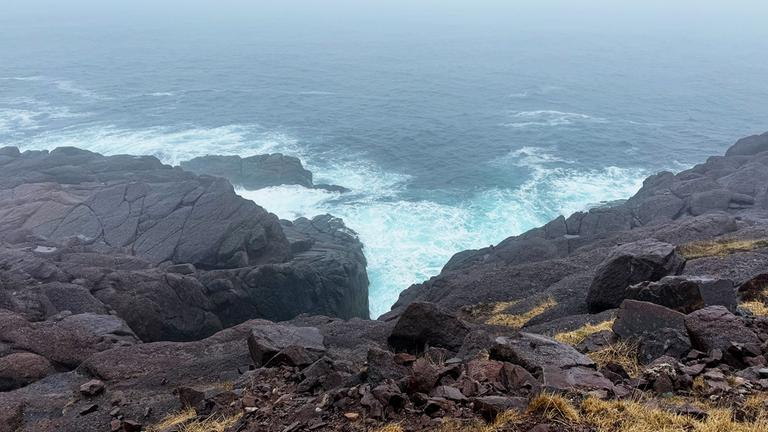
633 416
622 352
211 424
183 422
577 336
498 315
755 307
501 422
553 407
720 247
173 419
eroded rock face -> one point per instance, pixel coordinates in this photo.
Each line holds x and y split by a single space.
645 260
177 256
715 327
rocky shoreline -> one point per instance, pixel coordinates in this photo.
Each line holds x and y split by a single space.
137 296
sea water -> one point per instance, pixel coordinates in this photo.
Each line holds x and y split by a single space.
449 136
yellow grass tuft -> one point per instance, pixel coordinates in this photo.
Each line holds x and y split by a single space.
577 336
211 424
720 247
499 316
755 307
173 419
622 352
634 416
553 407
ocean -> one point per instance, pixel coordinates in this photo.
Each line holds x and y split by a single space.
450 137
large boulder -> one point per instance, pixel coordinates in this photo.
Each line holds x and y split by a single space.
273 344
636 318
536 353
20 369
424 324
715 327
686 294
629 264
68 341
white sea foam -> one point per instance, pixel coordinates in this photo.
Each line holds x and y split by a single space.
170 145
25 114
406 240
548 118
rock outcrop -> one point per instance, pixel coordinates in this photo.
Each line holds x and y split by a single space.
102 252
658 296
722 200
257 172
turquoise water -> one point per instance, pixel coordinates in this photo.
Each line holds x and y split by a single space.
450 136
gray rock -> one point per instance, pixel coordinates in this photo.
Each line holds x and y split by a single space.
715 327
685 293
537 352
425 324
629 264
636 318
267 341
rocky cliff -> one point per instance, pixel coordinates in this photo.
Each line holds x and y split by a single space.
589 323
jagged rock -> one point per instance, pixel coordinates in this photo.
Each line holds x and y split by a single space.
537 352
20 369
576 378
629 264
597 341
715 327
671 342
518 380
686 294
265 342
254 172
636 318
92 388
382 366
448 392
423 376
425 324
389 395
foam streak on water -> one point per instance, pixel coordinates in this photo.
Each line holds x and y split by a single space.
407 240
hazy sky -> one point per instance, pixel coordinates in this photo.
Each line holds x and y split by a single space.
640 16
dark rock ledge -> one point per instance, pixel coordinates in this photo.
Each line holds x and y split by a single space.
257 172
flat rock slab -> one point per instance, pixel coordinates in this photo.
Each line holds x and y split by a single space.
637 317
266 341
536 352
